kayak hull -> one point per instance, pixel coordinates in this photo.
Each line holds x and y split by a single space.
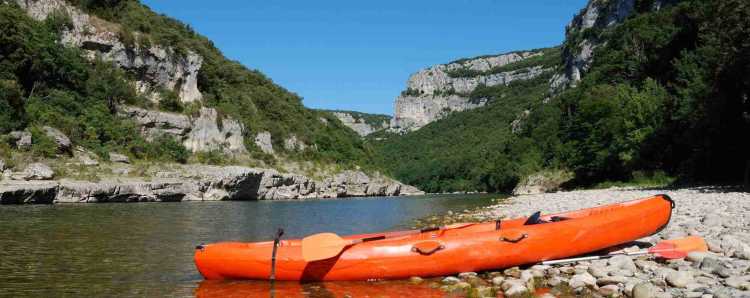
475 247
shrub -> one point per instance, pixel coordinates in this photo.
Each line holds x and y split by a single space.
42 145
170 102
212 157
166 148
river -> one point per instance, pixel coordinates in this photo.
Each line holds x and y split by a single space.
146 249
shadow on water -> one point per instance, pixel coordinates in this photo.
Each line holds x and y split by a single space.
146 249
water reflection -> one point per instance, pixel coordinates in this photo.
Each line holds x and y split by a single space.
146 249
215 289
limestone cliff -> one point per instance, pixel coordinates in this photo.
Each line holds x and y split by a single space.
439 90
154 67
362 123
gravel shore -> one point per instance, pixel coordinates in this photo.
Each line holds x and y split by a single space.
720 215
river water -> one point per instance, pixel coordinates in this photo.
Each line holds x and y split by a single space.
146 249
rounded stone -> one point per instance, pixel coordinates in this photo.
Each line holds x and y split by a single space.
645 290
679 279
451 280
609 290
416 280
498 280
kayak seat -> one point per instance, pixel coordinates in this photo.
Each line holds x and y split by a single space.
535 219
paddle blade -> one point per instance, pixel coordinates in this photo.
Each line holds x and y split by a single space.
322 246
679 248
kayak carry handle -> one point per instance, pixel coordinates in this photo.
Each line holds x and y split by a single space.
514 240
427 247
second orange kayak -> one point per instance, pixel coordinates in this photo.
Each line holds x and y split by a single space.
475 247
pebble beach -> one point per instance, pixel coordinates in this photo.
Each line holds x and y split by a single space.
720 215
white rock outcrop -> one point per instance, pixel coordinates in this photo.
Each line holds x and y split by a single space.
155 67
263 141
359 125
206 134
433 93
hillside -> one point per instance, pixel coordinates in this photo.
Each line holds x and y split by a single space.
362 123
120 55
437 91
642 89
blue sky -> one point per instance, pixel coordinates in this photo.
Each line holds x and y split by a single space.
357 55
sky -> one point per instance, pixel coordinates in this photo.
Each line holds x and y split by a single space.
357 55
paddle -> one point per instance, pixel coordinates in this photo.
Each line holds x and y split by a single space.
667 249
328 245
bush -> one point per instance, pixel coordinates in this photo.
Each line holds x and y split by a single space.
166 148
170 102
212 157
42 145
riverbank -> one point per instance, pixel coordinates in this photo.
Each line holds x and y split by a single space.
720 215
122 182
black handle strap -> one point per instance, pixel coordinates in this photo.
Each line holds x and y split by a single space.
514 240
276 240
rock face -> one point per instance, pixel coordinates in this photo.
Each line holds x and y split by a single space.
202 183
263 141
439 90
360 125
155 123
155 67
28 193
414 112
204 132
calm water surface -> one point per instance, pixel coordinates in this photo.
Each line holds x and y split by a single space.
146 249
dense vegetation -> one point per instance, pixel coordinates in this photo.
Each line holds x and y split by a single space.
669 91
43 83
667 95
470 150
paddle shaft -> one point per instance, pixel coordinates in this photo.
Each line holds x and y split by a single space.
581 259
591 258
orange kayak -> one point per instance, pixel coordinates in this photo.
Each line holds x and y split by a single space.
468 247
